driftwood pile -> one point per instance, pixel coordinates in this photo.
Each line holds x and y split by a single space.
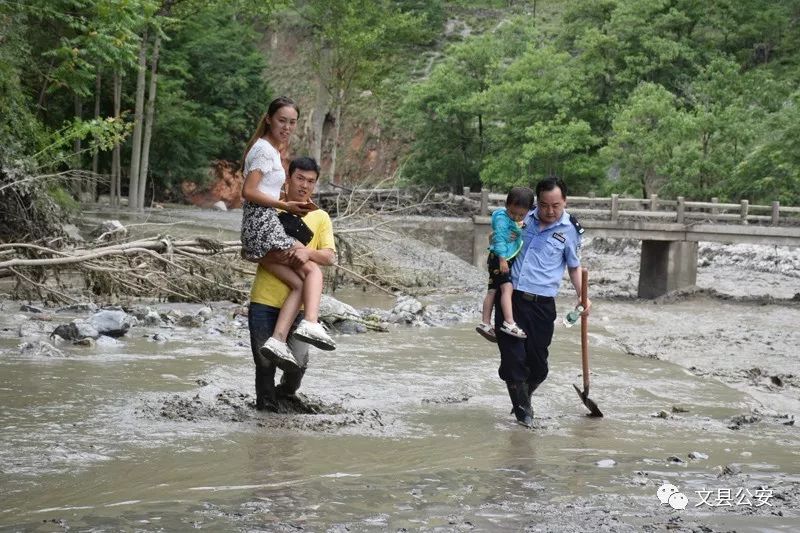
340 201
202 270
196 270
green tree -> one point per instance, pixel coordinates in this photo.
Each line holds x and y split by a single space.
445 119
644 133
725 112
212 95
354 45
771 169
540 106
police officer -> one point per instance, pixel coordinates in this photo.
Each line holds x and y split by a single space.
551 242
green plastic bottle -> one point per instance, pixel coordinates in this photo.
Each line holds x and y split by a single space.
572 317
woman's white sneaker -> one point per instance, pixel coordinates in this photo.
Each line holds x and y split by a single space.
278 353
314 334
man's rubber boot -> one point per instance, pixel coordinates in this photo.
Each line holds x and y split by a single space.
531 388
265 388
290 382
518 392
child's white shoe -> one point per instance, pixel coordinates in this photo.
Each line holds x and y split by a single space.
514 330
486 331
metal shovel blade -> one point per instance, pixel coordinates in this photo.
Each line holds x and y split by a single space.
588 402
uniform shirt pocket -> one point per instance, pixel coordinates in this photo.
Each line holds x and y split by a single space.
555 246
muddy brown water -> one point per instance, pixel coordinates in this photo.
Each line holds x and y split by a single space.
412 431
417 437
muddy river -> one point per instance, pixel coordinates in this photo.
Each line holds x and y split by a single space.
409 431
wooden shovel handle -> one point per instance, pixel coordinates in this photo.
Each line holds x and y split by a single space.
585 328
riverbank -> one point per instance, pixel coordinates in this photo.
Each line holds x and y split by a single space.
746 339
738 325
409 428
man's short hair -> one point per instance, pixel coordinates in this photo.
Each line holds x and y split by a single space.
549 183
520 196
303 163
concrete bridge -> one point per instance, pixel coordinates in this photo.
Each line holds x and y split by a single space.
669 230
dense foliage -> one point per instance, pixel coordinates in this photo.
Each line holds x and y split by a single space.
630 96
67 64
211 95
673 97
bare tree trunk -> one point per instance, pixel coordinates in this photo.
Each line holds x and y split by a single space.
98 87
315 123
76 144
136 151
316 119
148 121
75 185
337 128
116 166
43 93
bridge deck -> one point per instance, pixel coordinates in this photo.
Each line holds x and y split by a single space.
670 231
655 219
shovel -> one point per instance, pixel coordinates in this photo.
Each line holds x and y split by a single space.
584 394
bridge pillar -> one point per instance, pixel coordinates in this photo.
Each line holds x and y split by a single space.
666 266
480 240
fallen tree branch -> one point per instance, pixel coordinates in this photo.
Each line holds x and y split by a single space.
188 270
45 287
130 248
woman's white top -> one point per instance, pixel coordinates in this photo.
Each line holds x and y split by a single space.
264 157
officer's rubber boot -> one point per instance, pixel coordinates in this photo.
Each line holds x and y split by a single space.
531 388
518 392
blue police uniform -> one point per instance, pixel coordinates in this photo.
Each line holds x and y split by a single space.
536 275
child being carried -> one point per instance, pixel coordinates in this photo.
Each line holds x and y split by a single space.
506 244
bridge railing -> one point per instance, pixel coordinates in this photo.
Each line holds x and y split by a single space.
679 211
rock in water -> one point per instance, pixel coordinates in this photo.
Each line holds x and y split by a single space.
112 323
190 321
152 318
91 307
76 330
73 233
405 310
606 463
109 230
332 311
40 348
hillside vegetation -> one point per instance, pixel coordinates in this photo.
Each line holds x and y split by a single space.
132 97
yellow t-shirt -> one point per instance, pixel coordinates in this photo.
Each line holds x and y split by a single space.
269 290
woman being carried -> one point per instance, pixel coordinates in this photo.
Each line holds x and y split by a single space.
264 240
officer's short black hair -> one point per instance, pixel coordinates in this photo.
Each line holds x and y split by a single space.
549 183
520 196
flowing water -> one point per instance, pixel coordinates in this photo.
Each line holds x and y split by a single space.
420 439
412 432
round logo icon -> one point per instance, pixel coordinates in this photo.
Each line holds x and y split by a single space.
678 500
665 491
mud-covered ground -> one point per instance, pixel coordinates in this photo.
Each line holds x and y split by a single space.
737 328
738 325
